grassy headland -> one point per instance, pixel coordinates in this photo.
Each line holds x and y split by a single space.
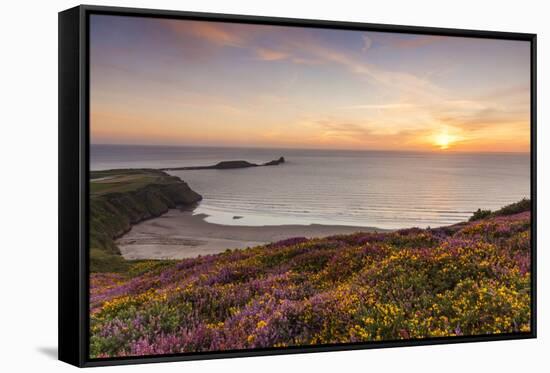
471 278
121 198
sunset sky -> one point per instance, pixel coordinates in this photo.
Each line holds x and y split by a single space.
176 82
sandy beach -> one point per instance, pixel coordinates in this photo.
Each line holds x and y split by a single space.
180 234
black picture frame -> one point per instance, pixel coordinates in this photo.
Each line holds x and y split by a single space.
74 170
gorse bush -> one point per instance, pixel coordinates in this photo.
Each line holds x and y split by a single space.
514 208
480 214
468 279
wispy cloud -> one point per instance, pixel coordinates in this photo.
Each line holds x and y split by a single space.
369 135
339 129
357 89
389 106
367 42
266 54
305 50
402 41
216 33
401 81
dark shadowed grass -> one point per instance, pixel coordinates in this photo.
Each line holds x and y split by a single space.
121 198
514 208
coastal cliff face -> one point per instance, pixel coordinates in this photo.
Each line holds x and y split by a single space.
122 198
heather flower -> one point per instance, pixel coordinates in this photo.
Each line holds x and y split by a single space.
467 279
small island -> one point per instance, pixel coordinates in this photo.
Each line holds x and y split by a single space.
228 165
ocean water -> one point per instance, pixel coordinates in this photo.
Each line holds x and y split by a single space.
357 188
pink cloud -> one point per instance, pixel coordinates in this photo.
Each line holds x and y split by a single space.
265 54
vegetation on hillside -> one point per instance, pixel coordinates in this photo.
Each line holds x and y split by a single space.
467 279
121 198
514 208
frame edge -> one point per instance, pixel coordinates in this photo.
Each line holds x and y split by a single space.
69 222
72 217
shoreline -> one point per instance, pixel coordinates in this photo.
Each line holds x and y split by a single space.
179 234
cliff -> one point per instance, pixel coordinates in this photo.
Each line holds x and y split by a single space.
122 198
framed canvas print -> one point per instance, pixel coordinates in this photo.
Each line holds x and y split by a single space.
239 186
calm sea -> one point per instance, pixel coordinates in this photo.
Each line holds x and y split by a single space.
359 188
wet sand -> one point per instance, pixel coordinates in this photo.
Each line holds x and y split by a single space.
180 234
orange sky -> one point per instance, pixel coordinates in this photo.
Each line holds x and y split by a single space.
197 83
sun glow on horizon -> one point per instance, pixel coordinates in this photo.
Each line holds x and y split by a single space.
166 82
444 140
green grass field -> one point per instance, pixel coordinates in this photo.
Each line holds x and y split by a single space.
121 198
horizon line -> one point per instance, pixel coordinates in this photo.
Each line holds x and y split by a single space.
437 151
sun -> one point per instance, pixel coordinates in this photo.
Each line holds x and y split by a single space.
443 140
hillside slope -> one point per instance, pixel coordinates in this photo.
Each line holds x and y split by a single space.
468 279
122 198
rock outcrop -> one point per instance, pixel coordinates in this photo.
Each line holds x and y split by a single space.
132 196
275 162
227 165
